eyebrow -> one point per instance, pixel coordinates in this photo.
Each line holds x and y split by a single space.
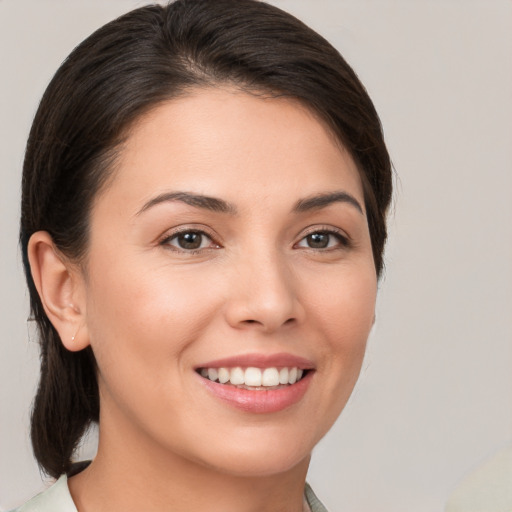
320 201
215 204
199 201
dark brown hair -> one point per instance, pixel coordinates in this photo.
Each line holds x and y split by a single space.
125 68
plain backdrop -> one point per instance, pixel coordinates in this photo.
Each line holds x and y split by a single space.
435 395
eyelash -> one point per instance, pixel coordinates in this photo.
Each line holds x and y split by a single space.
167 241
343 241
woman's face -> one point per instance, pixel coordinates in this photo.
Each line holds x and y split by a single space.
232 243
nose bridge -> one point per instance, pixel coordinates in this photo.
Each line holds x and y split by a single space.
264 290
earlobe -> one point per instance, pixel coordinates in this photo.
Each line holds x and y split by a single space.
60 288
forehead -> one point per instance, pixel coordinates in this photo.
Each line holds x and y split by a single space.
232 144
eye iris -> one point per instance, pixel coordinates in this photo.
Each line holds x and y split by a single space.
190 240
318 240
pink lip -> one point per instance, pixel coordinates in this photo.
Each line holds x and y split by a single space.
260 361
260 401
263 401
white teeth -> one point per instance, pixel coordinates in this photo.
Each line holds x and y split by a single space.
283 376
270 377
237 376
223 375
253 377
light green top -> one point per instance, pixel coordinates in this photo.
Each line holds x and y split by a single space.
487 489
55 499
58 499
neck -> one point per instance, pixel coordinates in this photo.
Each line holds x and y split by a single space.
131 474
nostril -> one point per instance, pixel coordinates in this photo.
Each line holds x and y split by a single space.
251 322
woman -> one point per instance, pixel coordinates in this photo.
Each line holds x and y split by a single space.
203 221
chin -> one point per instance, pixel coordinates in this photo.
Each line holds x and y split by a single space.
256 465
259 454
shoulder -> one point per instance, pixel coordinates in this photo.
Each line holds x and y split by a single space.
314 503
487 488
55 499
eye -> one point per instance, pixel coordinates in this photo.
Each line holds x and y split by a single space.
190 241
323 239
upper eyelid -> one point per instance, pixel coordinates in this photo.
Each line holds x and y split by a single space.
172 233
169 234
344 240
324 229
165 242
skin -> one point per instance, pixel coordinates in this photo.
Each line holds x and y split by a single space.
152 311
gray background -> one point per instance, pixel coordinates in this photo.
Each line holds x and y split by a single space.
435 396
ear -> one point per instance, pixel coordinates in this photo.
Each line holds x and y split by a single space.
61 290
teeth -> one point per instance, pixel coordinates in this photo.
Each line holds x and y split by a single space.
270 377
237 376
223 375
253 377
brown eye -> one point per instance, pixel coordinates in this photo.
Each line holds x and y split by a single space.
323 240
189 241
318 240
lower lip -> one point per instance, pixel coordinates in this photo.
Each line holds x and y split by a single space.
260 401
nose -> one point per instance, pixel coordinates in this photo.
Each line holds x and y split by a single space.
263 294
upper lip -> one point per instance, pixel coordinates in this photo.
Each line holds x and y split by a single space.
260 361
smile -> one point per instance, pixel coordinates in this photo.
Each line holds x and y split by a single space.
254 378
258 383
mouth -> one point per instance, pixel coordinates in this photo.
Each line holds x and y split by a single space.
253 378
258 383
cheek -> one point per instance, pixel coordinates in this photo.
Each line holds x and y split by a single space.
344 306
343 316
137 316
142 326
